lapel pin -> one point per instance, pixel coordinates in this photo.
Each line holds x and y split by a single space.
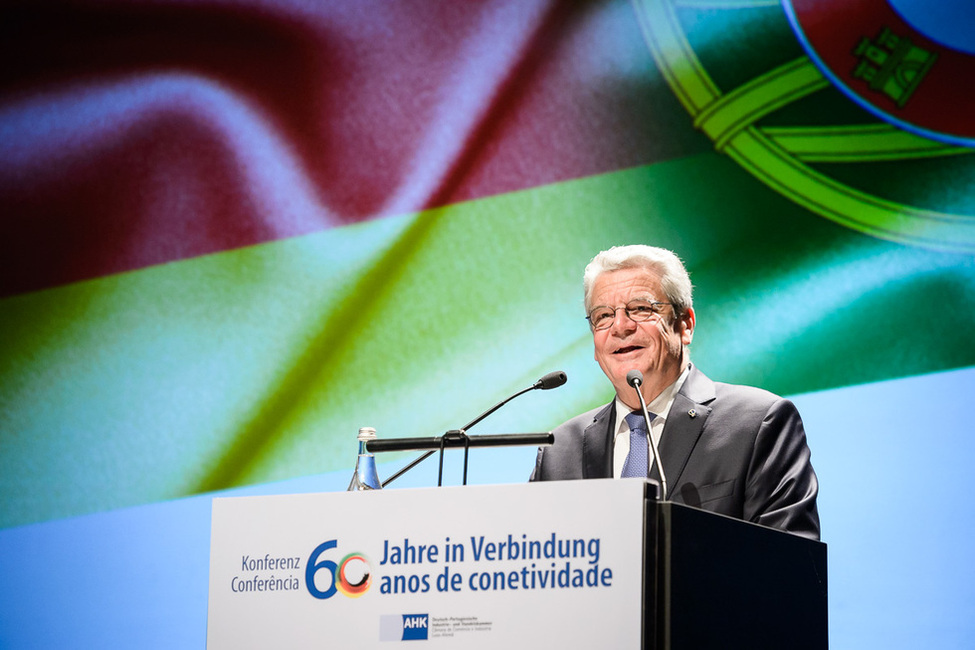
692 413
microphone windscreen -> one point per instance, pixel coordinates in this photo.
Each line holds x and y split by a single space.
634 378
552 380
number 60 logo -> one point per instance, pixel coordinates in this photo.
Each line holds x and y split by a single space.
352 576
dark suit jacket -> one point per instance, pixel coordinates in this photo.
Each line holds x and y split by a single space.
734 450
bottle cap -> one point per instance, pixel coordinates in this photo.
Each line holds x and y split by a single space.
367 433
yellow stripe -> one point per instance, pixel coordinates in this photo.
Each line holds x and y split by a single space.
848 206
730 113
857 143
674 55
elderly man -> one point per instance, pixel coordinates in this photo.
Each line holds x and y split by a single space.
734 450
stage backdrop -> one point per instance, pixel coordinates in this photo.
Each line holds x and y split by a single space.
234 231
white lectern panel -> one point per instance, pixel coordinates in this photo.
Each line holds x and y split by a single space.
554 564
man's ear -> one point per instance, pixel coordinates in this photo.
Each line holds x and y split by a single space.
687 322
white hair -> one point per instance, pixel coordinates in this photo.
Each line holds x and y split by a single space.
665 264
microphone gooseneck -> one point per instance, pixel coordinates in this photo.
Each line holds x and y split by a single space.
635 379
551 380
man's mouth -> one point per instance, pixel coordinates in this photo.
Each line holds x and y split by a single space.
628 348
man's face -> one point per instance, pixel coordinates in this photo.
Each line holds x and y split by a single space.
654 347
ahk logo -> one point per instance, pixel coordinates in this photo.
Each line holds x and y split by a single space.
405 627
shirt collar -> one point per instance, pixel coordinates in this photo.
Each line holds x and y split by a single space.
660 405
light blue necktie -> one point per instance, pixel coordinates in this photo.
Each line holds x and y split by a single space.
636 463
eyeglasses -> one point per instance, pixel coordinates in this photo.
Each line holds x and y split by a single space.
601 318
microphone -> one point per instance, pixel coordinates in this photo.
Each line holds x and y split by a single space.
635 379
551 380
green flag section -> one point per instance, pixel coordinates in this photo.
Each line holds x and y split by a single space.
261 363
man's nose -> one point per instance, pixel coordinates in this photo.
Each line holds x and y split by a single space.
622 321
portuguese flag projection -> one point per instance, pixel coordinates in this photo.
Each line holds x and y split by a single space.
234 232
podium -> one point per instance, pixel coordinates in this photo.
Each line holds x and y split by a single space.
596 563
716 582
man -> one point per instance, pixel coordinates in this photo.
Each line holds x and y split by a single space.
734 450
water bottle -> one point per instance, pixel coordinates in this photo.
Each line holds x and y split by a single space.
366 477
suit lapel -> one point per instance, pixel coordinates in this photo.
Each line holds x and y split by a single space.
597 444
685 422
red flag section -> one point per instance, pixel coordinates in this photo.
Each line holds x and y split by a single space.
889 66
141 133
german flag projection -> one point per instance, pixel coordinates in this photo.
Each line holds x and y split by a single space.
234 231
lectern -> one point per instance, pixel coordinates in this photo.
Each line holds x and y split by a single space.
716 582
570 564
